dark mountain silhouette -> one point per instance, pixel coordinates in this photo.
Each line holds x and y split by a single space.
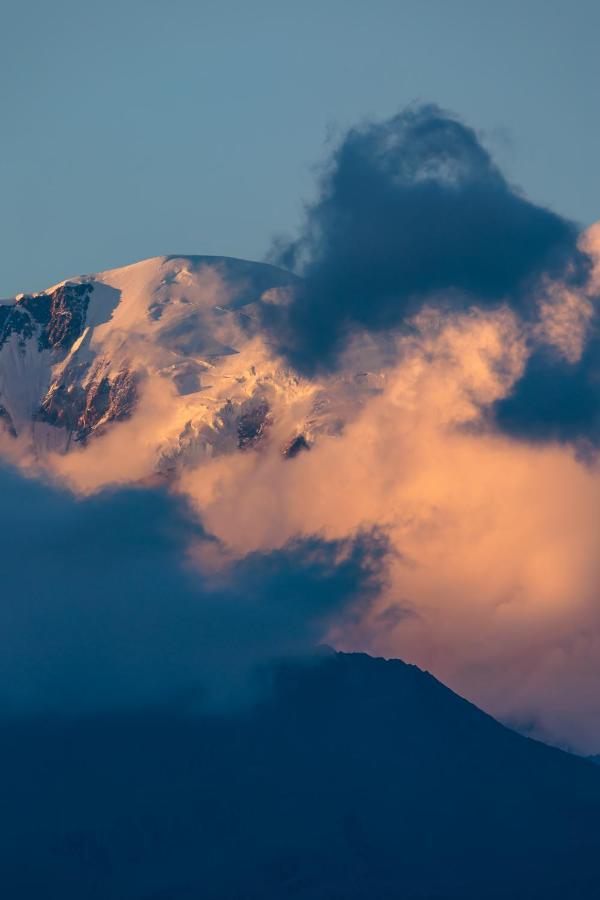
350 777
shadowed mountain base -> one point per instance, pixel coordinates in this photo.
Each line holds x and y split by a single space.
353 777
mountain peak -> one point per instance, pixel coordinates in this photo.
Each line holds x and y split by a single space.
174 344
79 357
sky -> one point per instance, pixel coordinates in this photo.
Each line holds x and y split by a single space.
133 129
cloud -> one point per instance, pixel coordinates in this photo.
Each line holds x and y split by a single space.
476 552
413 210
493 572
105 603
412 207
450 331
558 397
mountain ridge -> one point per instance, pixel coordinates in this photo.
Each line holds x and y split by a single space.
79 358
349 776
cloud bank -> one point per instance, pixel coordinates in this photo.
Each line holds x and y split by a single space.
460 496
112 601
412 208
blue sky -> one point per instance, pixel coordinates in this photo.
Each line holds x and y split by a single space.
132 129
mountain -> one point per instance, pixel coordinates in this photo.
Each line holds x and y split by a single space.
348 777
92 352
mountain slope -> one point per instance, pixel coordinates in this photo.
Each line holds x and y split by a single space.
352 777
182 333
75 358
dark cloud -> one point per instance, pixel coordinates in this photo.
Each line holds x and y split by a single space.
556 400
101 609
410 207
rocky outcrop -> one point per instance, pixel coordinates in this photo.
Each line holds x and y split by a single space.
56 317
83 410
295 446
234 426
189 331
252 424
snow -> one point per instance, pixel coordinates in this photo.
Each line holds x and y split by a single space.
190 324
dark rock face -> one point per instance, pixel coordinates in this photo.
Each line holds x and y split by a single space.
109 400
350 779
79 402
58 317
243 425
68 309
235 426
295 446
252 424
15 320
65 401
82 411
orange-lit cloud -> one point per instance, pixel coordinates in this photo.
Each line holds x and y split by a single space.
493 579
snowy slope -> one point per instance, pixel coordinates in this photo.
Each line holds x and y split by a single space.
179 335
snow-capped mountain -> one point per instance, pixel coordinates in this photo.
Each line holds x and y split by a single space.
95 351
